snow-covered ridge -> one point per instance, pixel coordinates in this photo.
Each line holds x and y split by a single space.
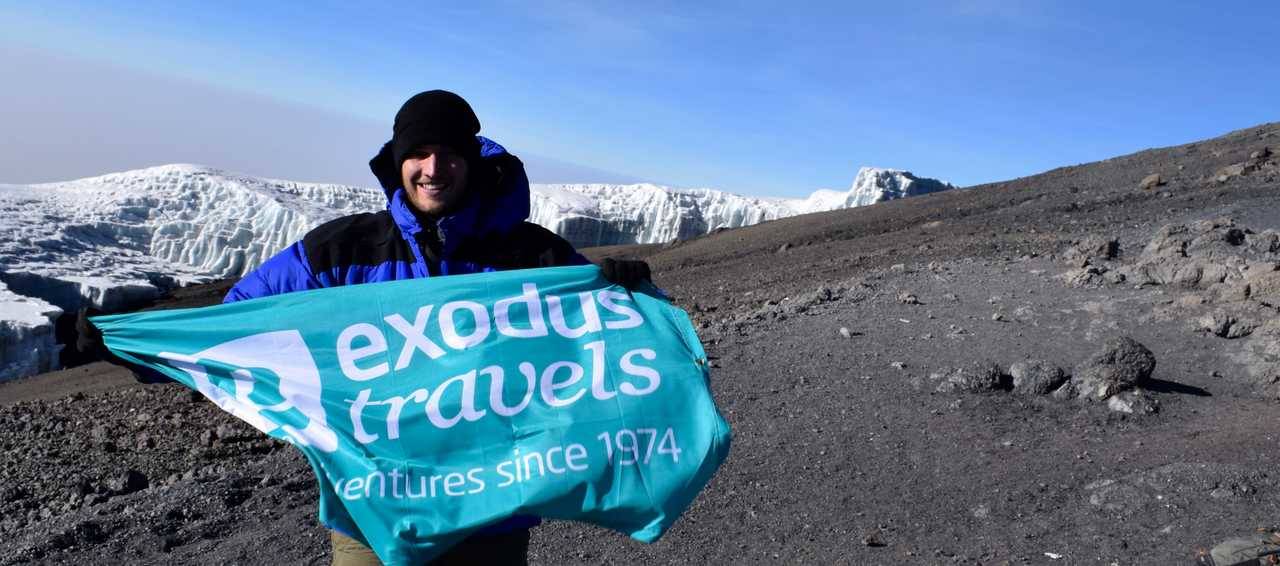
155 227
596 214
117 240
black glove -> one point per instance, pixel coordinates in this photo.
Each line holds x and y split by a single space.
89 342
629 273
88 337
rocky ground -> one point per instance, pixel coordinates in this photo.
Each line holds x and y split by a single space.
1078 367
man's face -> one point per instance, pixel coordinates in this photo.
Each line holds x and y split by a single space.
435 179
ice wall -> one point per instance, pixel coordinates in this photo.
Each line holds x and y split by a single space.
27 344
597 214
122 239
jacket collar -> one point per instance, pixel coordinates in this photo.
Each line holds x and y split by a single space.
495 205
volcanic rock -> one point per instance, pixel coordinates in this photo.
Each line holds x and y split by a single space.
1093 248
1226 325
83 533
1036 377
1229 291
1267 241
128 482
1150 181
1226 173
1121 364
1134 401
976 377
1090 276
1204 254
1264 287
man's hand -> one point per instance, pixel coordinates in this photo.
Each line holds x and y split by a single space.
89 342
88 337
629 273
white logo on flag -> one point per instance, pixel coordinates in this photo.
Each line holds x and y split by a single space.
283 353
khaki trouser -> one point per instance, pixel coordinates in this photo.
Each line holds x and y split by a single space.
502 549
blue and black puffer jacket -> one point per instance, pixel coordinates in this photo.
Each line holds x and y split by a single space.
488 233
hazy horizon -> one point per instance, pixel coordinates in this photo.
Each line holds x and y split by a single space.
85 104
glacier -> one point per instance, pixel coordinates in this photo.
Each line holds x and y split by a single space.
27 343
117 241
599 215
596 215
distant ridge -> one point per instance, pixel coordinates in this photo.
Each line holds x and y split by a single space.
599 214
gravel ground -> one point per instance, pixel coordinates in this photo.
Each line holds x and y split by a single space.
861 357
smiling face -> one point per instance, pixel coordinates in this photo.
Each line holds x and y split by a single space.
435 179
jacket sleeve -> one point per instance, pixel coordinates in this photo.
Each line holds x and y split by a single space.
562 253
285 272
576 259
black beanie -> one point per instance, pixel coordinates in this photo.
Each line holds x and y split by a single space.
435 117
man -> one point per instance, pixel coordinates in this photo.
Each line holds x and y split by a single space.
456 204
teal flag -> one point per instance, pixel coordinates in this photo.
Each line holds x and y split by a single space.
431 408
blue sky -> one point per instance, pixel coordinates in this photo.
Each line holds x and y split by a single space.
760 98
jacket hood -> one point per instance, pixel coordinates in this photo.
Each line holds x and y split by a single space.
497 197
